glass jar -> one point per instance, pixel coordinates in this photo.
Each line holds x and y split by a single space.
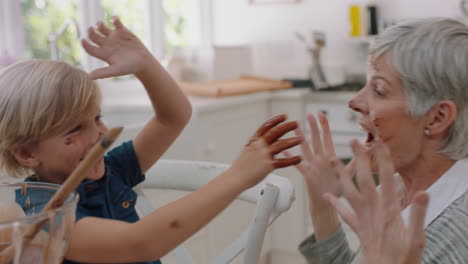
20 211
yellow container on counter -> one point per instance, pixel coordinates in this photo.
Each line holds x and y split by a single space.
355 19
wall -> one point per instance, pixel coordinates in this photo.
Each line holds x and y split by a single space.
270 28
420 8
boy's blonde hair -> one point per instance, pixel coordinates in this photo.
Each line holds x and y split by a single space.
40 98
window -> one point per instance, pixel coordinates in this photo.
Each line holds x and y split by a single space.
39 16
175 26
131 13
134 15
26 25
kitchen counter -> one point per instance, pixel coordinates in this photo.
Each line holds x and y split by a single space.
209 114
199 104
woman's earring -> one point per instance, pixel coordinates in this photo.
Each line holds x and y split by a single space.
427 132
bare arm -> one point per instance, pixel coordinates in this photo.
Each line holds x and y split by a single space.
173 113
109 241
126 54
101 240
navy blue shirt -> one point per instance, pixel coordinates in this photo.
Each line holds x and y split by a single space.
112 196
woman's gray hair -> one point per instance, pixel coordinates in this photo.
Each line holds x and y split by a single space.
431 57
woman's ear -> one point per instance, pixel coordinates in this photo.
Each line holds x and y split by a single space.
441 117
24 157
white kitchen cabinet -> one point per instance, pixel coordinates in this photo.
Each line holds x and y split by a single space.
218 130
222 131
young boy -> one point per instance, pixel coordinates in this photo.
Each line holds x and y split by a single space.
50 119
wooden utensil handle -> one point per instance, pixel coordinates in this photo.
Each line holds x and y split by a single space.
83 169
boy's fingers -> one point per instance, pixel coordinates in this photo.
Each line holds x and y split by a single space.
278 131
89 48
286 162
98 74
95 37
103 29
269 124
117 23
283 144
106 72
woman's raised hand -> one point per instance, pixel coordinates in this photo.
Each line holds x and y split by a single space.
376 216
319 174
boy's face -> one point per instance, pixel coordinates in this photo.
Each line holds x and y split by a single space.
59 155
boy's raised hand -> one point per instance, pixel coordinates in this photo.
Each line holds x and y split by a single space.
257 159
119 47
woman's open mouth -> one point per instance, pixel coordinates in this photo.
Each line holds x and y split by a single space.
370 137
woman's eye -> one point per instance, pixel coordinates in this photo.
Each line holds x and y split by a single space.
379 90
98 118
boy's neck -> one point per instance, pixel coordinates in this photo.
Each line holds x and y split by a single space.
41 178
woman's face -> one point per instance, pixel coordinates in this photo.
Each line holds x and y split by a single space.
384 114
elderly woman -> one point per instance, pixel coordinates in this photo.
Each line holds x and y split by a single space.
416 103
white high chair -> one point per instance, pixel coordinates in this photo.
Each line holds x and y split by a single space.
273 196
